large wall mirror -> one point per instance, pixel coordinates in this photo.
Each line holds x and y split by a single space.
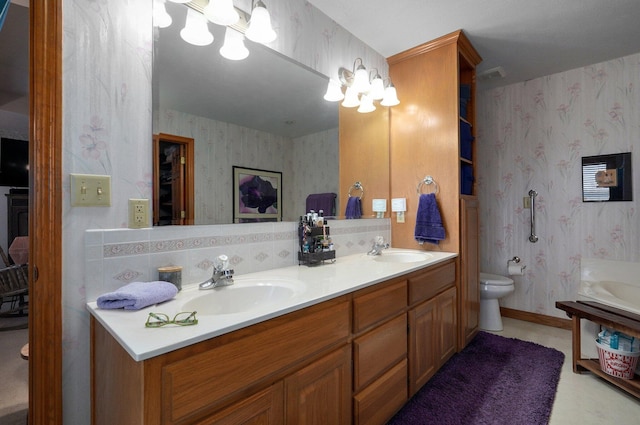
264 112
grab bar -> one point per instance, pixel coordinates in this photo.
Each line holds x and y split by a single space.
533 238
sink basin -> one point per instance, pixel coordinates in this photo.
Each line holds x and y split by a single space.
402 257
244 295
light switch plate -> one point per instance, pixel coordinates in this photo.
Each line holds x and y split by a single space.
526 202
138 213
90 190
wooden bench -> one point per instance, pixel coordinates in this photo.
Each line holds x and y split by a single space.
610 317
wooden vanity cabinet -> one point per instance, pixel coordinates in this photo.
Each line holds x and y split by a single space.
194 384
432 322
363 354
379 352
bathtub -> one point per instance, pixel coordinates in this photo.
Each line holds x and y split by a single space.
621 295
614 283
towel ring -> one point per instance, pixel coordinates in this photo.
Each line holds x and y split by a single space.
357 186
428 180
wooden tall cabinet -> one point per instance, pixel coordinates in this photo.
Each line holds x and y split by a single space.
470 270
431 134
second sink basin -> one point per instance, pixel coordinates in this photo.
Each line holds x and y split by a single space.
402 256
244 295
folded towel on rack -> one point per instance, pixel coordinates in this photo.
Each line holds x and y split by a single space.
137 295
429 226
354 208
322 201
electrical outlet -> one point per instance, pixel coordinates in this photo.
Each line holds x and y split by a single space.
138 213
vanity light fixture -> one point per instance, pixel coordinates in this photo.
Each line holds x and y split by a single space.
221 12
195 30
360 90
233 47
260 29
256 27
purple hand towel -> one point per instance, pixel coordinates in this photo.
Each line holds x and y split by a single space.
429 226
137 295
322 201
354 208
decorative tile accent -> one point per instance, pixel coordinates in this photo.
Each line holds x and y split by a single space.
127 276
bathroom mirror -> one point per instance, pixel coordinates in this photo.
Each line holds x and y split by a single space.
607 178
266 91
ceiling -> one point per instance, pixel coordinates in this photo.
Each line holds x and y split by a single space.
528 39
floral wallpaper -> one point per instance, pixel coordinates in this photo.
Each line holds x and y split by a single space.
533 135
107 129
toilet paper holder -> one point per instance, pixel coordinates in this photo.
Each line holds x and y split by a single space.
515 259
513 269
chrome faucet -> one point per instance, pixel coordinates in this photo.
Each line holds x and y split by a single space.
222 274
378 246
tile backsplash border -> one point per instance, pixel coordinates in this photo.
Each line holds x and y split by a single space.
115 257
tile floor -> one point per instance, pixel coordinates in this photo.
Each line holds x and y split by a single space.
581 398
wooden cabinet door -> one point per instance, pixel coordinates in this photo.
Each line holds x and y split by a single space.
320 393
173 180
264 408
469 271
446 325
422 339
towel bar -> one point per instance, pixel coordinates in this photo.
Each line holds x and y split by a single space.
427 181
357 186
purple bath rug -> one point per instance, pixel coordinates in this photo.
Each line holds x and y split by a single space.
493 380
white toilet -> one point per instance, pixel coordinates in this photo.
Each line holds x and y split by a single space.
492 287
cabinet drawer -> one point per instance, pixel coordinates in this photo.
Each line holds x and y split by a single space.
376 351
193 384
382 399
428 284
379 305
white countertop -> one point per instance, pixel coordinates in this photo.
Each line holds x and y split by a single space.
312 285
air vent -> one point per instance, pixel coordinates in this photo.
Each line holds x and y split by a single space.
493 73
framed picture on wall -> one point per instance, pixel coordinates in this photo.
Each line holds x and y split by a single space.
257 195
607 178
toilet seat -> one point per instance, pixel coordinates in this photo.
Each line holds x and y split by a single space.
494 279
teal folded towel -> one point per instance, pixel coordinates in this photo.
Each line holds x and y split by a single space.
137 295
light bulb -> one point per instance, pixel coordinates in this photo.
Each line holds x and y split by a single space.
233 47
366 105
351 98
334 91
195 30
221 12
260 29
